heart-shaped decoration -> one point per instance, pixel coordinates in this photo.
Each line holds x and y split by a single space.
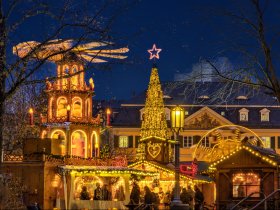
154 149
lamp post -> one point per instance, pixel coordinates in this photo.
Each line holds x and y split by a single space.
177 123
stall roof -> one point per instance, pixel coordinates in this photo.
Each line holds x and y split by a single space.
104 170
168 168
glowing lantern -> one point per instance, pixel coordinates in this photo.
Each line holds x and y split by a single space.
177 118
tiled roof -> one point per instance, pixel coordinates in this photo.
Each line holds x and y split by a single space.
222 98
219 94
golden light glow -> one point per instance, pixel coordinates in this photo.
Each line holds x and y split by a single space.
91 83
54 133
77 107
177 118
108 111
162 169
235 140
61 106
68 108
76 135
95 144
30 111
255 153
154 123
154 119
54 50
43 134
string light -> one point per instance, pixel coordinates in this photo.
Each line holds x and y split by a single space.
255 153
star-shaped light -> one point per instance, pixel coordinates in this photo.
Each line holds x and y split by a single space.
154 52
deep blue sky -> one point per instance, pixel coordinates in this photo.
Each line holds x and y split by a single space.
185 30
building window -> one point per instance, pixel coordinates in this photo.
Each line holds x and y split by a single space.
264 115
187 141
205 142
61 107
123 141
243 115
79 144
223 113
244 184
266 141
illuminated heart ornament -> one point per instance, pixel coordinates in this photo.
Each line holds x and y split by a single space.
154 149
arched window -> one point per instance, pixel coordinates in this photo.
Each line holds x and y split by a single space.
77 107
94 144
75 77
58 142
79 143
244 184
61 107
65 72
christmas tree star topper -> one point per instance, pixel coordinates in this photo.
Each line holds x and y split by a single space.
154 52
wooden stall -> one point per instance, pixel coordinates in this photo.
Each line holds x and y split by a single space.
249 171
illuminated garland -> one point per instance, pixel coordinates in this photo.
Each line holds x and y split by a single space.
94 170
257 154
154 120
164 169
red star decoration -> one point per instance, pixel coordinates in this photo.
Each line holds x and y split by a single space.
154 52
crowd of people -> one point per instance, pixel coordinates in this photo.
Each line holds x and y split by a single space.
103 193
153 200
150 198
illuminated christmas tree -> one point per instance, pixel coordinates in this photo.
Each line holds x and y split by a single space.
154 121
153 144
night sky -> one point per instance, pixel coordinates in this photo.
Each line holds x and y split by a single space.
185 30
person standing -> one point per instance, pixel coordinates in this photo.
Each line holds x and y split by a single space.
84 194
191 193
135 194
198 198
105 194
167 199
185 197
148 198
97 192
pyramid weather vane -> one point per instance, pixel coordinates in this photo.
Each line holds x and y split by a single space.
154 52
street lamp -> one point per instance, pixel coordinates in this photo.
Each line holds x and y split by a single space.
177 123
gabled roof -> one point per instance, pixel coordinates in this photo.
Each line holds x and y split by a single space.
211 112
267 155
168 168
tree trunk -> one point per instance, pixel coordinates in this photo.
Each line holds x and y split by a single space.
3 71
